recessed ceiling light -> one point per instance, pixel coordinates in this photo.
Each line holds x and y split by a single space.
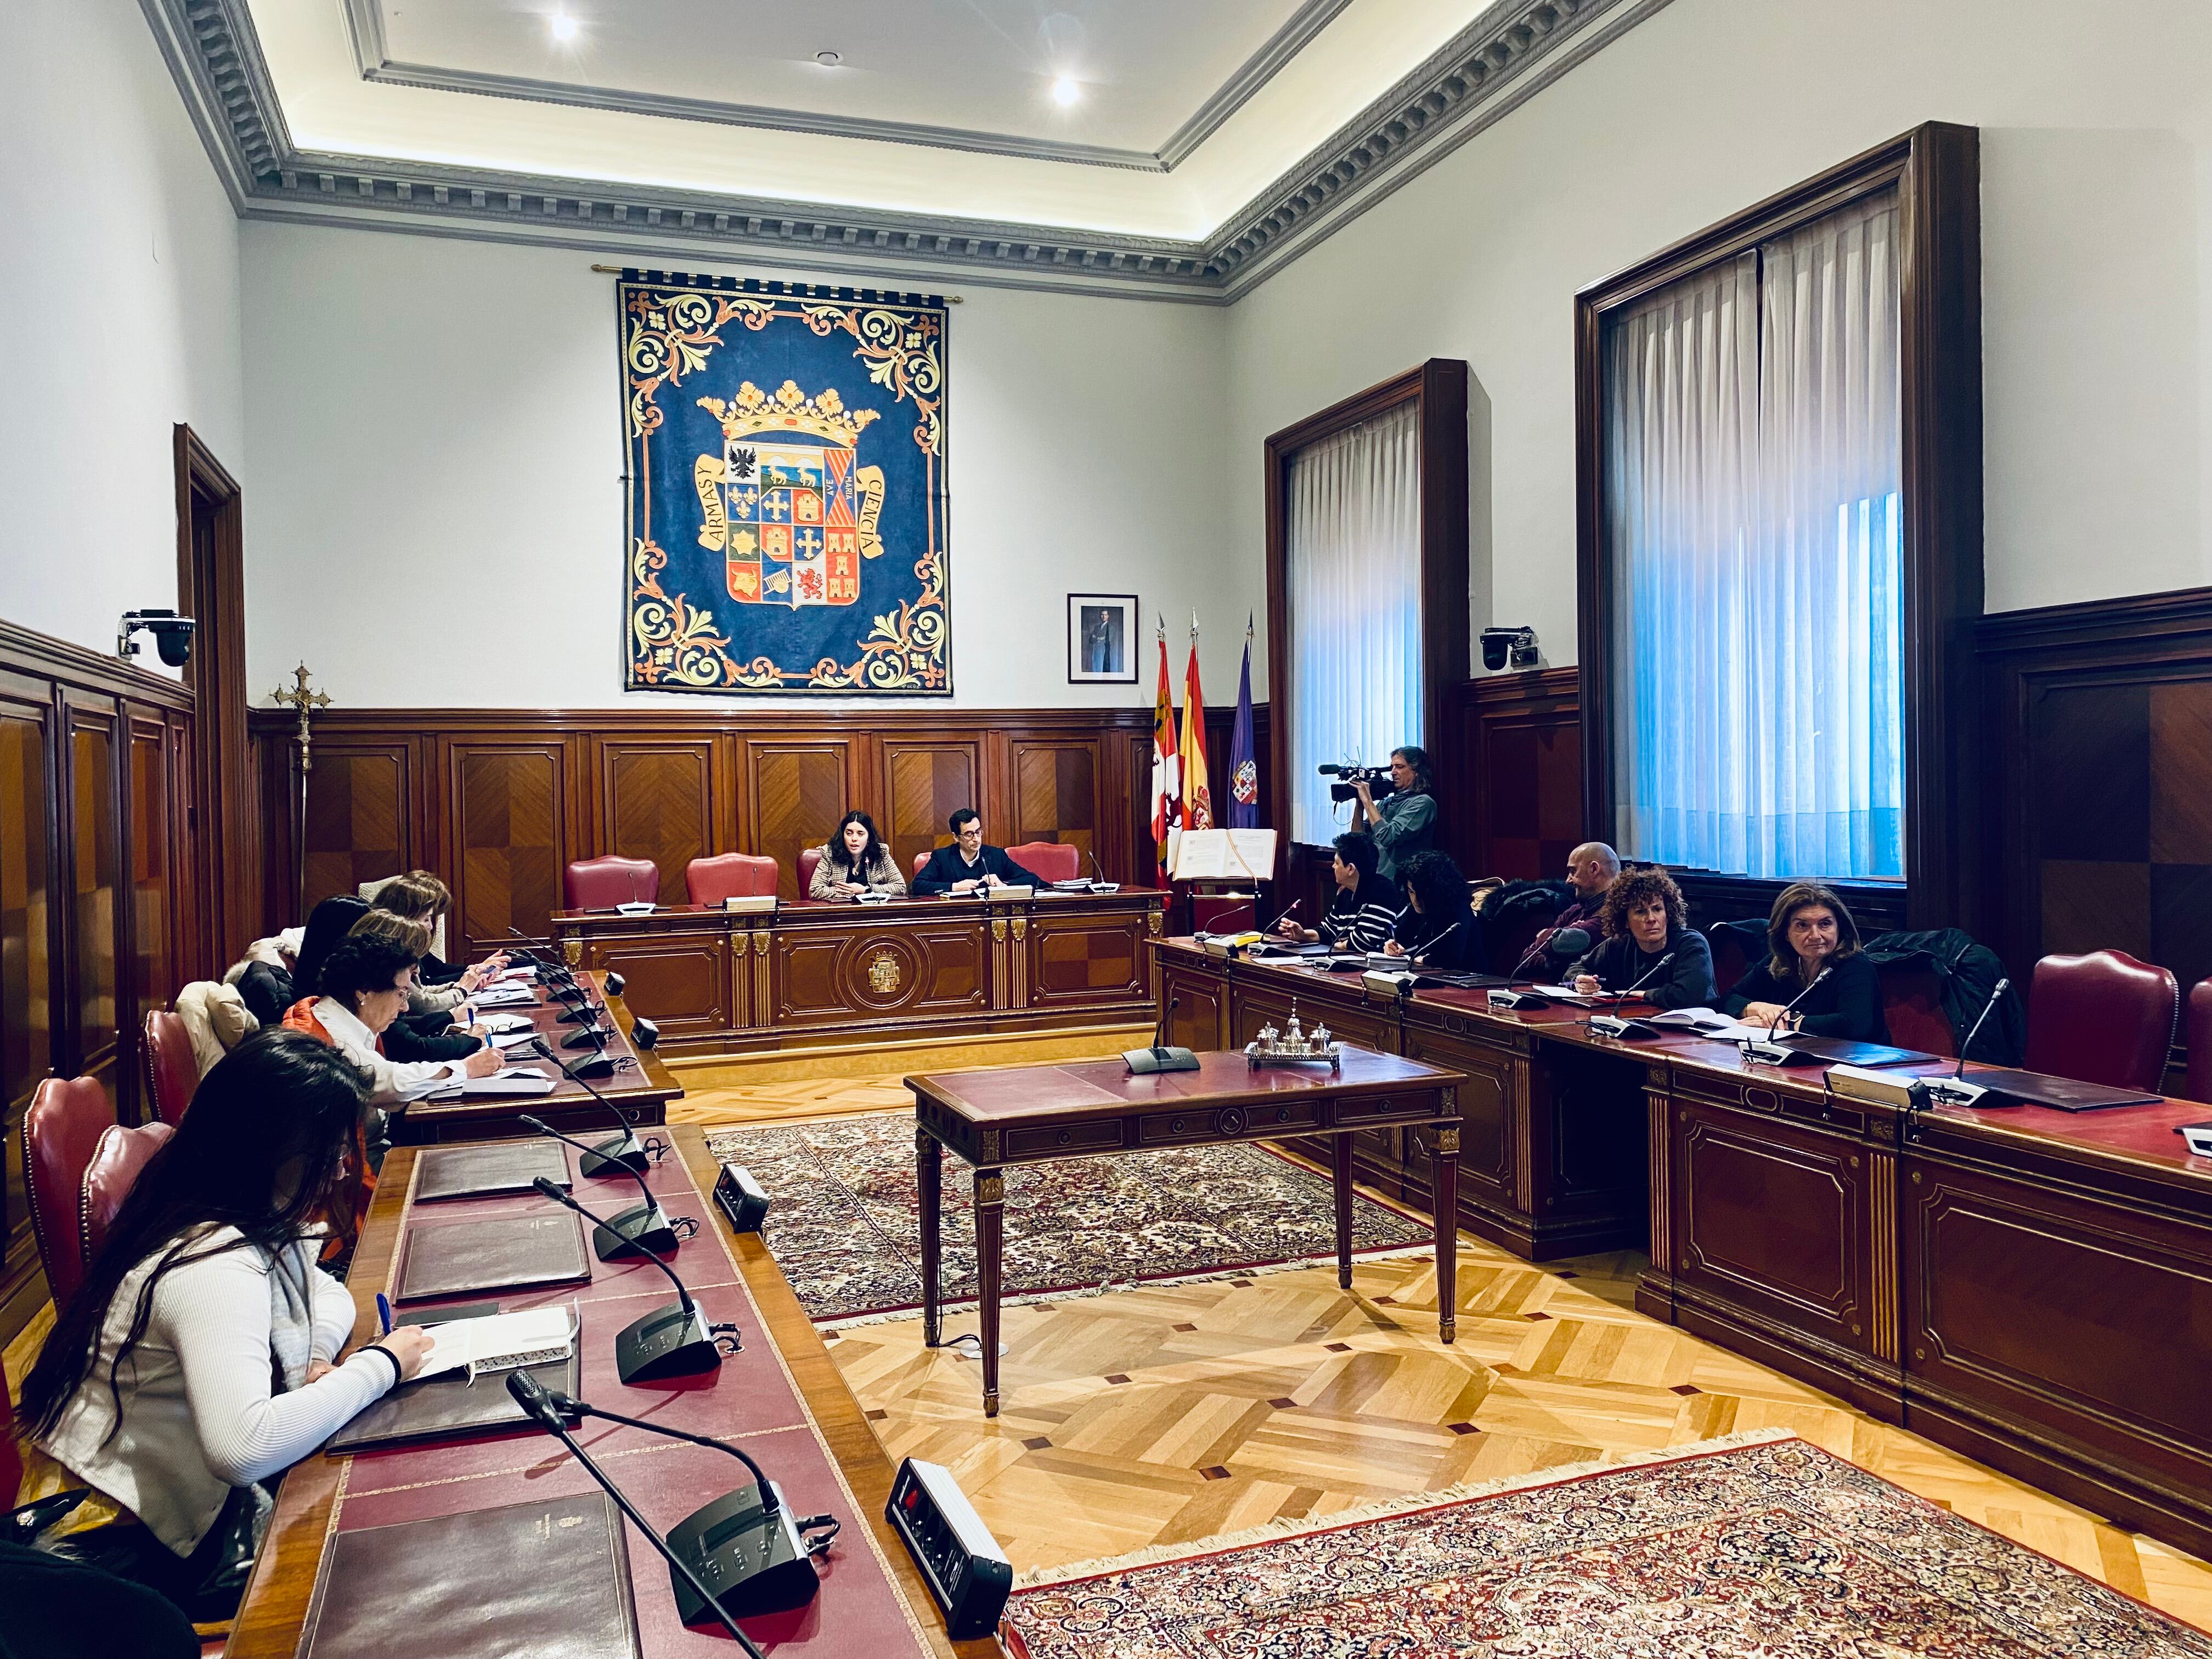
564 26
1065 91
827 59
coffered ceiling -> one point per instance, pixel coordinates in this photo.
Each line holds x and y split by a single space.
1179 148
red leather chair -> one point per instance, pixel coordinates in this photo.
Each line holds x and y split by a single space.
2103 1018
11 1458
1054 860
601 883
810 860
922 861
173 1070
61 1133
2198 1037
116 1162
735 875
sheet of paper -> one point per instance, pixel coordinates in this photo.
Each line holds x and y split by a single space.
504 1040
497 1023
500 1339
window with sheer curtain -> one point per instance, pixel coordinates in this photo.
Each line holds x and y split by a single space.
1751 454
1353 583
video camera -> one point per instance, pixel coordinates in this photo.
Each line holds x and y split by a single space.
1376 778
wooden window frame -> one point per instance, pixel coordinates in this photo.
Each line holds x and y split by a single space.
1437 391
1937 170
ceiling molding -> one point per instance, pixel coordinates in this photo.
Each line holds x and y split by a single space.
373 60
1506 56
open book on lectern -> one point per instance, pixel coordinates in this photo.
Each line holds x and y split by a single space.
1224 855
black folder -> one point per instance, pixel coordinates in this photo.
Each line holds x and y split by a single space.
2060 1094
442 1407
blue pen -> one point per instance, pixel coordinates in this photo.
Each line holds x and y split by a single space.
384 1312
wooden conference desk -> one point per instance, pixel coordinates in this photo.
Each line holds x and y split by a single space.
781 1399
812 973
641 1087
2030 1287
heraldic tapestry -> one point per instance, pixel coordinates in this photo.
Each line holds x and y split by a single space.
786 476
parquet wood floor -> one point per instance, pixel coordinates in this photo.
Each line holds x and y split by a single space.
1163 1413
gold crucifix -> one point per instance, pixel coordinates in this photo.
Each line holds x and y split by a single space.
306 702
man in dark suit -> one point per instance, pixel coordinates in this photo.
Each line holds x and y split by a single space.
967 864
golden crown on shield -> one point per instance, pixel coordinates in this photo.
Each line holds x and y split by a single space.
788 410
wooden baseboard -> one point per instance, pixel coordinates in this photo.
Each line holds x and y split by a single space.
873 1058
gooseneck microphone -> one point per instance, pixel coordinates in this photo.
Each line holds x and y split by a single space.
1773 1051
624 1151
1613 1025
532 1396
672 1341
1954 1089
1569 942
642 1230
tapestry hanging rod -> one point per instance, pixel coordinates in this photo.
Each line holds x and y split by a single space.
823 290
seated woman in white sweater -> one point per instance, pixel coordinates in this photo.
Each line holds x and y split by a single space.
200 1358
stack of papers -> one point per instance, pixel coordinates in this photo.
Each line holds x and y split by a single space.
501 1342
503 995
508 1080
1707 1023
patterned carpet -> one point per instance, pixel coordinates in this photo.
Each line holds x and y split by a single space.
1776 1550
843 1217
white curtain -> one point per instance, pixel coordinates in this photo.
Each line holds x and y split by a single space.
1353 575
1753 484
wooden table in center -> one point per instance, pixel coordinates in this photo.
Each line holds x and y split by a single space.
1090 1109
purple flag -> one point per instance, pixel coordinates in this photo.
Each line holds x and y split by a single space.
1243 768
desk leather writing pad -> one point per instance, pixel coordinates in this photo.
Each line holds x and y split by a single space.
491 1253
2063 1094
493 1167
443 1406
549 1577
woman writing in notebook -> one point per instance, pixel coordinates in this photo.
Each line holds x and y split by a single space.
199 1359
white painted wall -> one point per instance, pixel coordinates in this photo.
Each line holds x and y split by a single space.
440 420
2097 240
118 317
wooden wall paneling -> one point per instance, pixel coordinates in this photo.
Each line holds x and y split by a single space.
508 813
795 792
925 779
1055 793
360 816
2096 723
657 799
98 946
1072 962
194 947
30 959
153 976
1524 761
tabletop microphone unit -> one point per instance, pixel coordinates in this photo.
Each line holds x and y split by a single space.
1954 1089
545 1409
668 1342
1611 1025
1774 1052
1569 942
964 1566
642 1230
622 1152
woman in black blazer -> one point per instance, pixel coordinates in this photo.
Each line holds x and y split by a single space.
1439 930
1812 947
1645 919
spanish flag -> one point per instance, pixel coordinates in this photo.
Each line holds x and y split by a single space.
1164 768
1197 799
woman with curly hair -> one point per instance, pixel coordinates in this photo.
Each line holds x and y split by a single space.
1645 920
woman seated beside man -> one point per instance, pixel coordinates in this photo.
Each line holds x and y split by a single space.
1645 921
854 861
200 1358
1813 953
1439 930
1364 908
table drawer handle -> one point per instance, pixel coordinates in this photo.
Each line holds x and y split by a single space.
1765 1100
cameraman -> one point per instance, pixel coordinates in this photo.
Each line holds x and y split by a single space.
1404 822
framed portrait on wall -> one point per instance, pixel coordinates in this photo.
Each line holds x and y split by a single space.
1101 639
